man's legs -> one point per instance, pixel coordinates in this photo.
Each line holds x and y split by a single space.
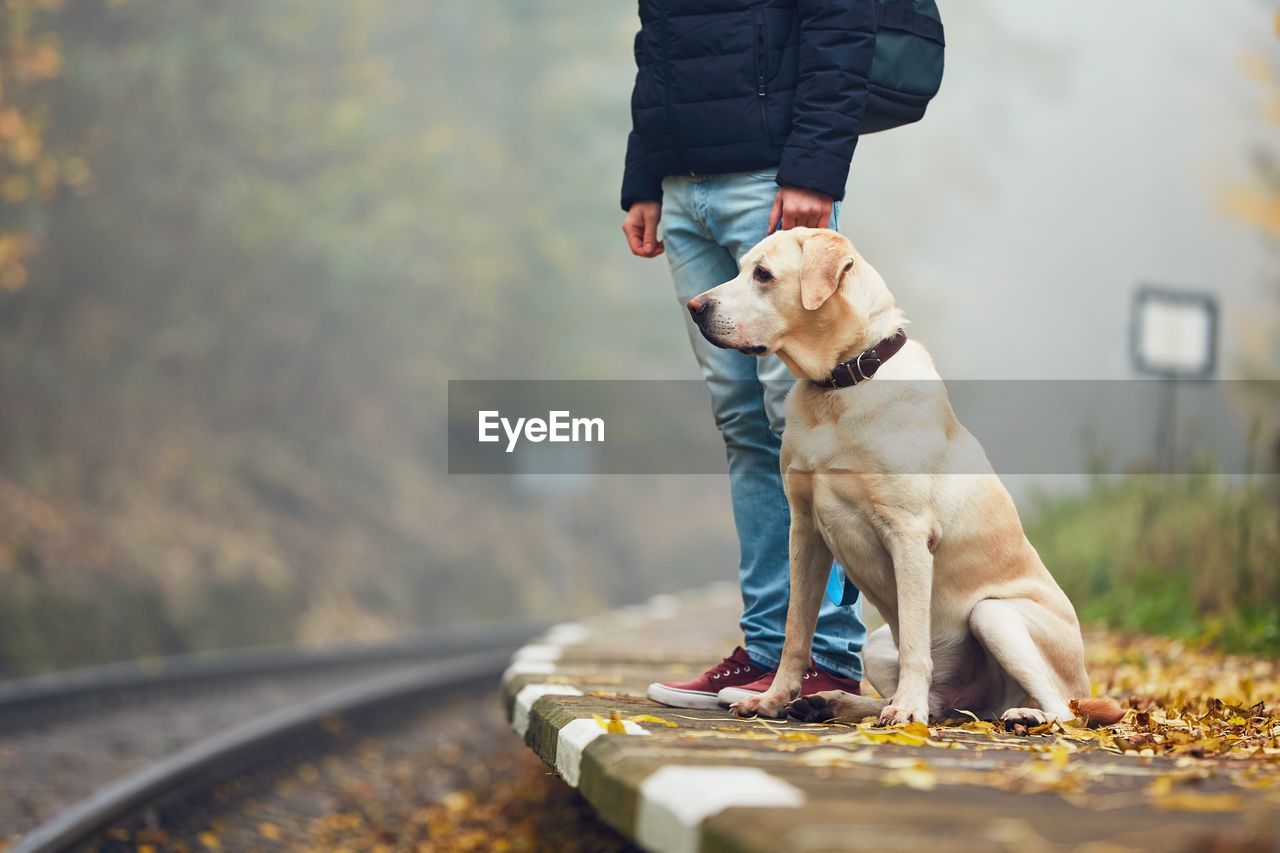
708 224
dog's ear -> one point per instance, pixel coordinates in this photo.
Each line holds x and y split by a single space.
826 258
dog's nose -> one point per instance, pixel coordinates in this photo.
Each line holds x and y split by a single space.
697 306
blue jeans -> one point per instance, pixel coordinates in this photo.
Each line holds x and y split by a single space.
709 222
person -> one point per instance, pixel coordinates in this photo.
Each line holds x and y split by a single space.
745 115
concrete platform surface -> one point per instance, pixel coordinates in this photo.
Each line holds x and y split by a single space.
683 780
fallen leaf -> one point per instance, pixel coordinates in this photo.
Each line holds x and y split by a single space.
834 757
917 728
804 737
918 777
1189 801
613 725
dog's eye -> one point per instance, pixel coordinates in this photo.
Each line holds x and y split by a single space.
762 275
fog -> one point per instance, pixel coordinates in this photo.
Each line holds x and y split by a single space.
1069 157
266 236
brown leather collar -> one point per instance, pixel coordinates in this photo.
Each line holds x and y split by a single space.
848 373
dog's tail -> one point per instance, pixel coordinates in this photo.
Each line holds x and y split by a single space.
1098 711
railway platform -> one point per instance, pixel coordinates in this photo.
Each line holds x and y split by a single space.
689 780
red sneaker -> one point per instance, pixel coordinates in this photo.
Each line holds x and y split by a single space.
815 680
734 671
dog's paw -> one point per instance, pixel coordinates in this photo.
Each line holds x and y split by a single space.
900 714
1025 717
764 705
816 708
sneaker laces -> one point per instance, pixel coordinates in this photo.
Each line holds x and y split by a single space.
728 667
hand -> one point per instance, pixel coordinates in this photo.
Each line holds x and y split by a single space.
641 228
794 207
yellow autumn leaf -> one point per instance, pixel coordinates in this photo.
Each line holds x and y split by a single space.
917 728
650 718
898 736
918 776
980 726
834 757
613 725
1189 801
803 737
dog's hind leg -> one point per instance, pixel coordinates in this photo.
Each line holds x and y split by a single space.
1001 628
880 664
835 705
880 661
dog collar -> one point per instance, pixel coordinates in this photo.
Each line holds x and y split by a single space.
848 373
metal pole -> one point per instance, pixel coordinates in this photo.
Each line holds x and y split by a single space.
1167 436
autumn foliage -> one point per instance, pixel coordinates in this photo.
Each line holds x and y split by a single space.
32 171
245 244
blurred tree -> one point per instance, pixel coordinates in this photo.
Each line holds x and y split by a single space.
229 362
1260 204
30 172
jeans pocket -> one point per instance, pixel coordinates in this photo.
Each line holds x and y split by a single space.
763 175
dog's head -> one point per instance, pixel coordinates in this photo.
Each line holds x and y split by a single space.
805 294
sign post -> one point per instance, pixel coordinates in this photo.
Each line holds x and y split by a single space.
1173 335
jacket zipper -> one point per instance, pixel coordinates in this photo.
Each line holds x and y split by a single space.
761 72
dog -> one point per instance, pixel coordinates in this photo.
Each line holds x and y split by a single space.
881 477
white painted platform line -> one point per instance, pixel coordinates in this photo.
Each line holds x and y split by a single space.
540 658
539 652
676 799
572 742
531 693
528 667
567 634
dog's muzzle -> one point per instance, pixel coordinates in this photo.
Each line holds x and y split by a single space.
714 327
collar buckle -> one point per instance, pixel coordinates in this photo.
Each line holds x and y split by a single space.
862 373
849 373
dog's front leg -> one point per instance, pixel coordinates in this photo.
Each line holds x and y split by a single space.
810 567
913 570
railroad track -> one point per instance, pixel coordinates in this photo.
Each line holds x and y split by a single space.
84 751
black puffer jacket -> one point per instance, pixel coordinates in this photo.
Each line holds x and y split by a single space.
738 85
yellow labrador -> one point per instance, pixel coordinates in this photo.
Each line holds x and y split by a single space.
882 477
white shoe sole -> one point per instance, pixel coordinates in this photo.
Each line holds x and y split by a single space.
730 695
675 698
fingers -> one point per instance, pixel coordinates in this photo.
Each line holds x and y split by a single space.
807 215
801 214
634 235
795 208
640 227
789 219
652 245
776 213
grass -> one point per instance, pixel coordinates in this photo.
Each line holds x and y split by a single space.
1189 556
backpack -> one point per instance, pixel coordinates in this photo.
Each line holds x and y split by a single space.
907 70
